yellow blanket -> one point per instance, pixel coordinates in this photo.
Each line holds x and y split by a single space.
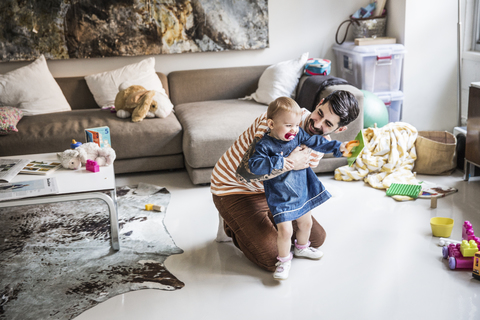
388 157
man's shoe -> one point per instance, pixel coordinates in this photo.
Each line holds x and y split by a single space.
308 253
283 268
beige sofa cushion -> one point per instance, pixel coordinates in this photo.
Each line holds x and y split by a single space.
211 127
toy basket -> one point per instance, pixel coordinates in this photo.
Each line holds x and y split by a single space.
435 153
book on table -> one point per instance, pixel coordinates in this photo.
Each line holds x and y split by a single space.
9 168
40 167
26 189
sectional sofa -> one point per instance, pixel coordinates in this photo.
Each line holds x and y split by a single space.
208 117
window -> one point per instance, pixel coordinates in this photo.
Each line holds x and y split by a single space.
476 27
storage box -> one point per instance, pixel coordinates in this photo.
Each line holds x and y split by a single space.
394 102
375 68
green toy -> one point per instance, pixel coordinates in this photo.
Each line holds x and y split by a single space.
354 148
374 111
399 189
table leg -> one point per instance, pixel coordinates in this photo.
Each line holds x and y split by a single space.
111 202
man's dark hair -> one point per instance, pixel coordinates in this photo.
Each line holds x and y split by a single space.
343 104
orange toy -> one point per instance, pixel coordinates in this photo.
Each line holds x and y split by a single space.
350 145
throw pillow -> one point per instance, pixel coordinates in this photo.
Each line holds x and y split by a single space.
279 80
105 86
9 118
32 89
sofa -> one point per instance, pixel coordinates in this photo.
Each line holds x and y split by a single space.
208 117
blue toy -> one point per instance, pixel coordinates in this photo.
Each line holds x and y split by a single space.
75 144
317 67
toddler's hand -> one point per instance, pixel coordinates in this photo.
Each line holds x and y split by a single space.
343 148
287 164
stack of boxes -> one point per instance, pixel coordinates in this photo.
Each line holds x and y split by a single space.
374 68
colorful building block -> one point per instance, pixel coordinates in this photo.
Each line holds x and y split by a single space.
468 248
92 166
149 207
467 231
455 258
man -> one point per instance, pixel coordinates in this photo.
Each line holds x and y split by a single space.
242 203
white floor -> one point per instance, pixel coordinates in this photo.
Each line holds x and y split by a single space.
381 261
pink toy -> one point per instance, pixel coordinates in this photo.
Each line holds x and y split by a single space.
455 258
453 251
290 136
92 166
468 233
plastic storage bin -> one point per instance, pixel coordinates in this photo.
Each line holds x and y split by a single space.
394 102
375 68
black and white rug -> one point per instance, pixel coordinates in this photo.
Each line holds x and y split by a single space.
56 260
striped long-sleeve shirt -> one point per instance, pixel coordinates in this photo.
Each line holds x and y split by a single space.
223 180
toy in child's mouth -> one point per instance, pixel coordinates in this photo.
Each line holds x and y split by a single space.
290 136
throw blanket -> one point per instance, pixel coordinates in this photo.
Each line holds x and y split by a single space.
388 157
312 87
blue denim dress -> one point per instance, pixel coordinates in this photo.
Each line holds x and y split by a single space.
296 192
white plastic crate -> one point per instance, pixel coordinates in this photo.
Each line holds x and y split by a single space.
394 102
375 68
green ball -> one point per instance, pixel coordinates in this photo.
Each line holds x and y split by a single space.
374 111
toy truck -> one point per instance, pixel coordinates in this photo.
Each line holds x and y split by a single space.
461 255
476 266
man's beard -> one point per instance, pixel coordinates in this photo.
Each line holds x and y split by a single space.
313 129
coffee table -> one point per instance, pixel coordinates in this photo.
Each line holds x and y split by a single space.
73 185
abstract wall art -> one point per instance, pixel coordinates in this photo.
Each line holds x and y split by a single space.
66 29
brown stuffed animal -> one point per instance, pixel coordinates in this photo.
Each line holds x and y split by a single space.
137 101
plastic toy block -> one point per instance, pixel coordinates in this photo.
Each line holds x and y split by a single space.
468 249
149 207
158 208
92 166
445 242
399 189
467 231
455 258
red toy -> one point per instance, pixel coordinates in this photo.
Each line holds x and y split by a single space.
92 166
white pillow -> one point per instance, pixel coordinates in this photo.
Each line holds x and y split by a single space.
32 89
104 86
279 80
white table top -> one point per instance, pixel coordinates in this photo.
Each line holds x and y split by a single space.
71 181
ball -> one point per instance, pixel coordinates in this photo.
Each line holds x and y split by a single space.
374 111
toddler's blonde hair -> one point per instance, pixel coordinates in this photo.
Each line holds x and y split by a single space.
283 104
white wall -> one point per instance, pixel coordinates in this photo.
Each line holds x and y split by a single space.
430 71
294 27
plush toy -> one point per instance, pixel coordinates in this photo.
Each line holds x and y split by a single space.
138 102
74 159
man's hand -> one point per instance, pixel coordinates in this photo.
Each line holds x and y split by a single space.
287 164
299 157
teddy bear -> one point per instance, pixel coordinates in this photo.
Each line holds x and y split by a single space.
75 158
136 101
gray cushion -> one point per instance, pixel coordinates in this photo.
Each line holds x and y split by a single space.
211 127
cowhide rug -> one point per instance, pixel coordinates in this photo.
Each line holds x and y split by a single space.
56 260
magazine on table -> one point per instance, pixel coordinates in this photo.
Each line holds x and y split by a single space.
25 189
9 168
41 167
